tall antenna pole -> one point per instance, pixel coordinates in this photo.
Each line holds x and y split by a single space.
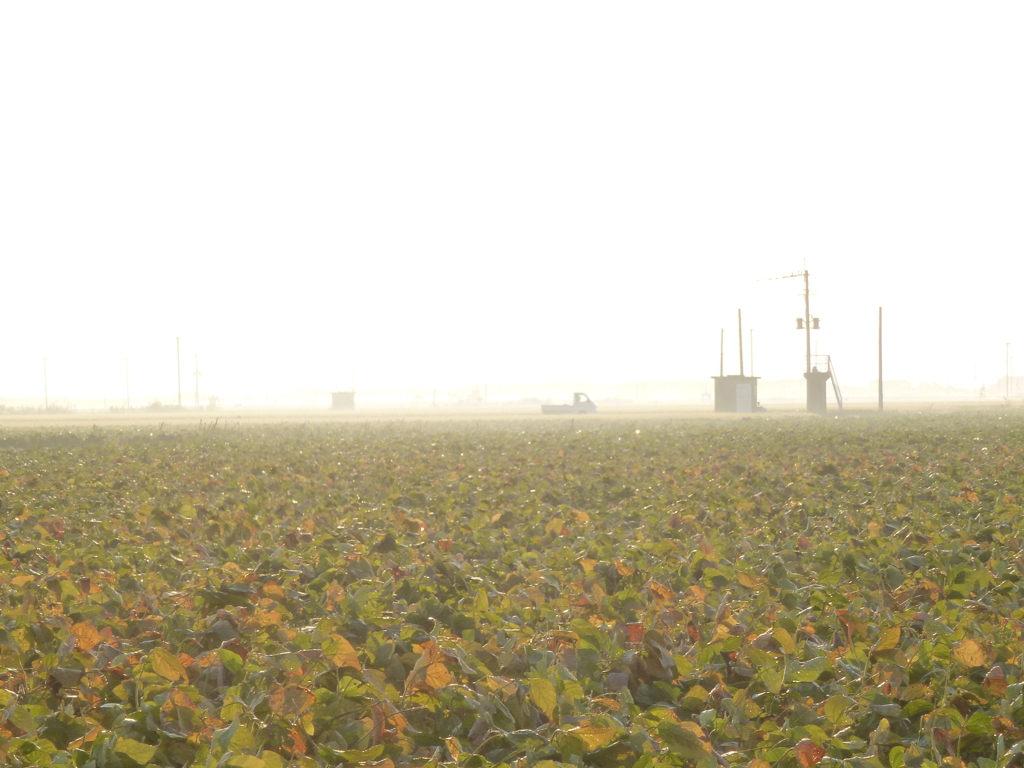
46 388
721 354
880 360
807 315
177 341
739 320
197 381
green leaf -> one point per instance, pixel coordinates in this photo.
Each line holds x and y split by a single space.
809 672
980 724
772 679
835 707
135 750
246 761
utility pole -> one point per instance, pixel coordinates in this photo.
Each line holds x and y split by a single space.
805 324
739 320
815 379
177 342
721 354
807 316
879 359
46 388
752 352
197 381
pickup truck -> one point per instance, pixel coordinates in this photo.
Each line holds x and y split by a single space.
580 404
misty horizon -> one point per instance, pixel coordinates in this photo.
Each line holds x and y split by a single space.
464 194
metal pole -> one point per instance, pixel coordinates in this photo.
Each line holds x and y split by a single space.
46 388
807 315
739 320
879 359
177 341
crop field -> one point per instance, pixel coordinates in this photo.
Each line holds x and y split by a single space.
624 592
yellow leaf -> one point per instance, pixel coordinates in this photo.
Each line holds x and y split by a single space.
970 653
587 564
888 639
748 581
454 748
580 516
554 526
437 676
784 639
86 635
341 653
543 694
757 762
23 579
594 737
166 664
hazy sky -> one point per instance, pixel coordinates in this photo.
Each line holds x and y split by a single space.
517 192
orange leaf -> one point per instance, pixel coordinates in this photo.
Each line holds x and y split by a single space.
291 701
636 632
661 592
694 594
86 635
804 543
995 681
178 698
623 569
444 544
298 741
808 753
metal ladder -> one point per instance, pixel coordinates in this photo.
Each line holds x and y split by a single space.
835 384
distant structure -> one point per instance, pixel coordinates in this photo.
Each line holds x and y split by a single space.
818 376
734 394
343 401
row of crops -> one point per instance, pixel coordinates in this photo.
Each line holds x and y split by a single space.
626 593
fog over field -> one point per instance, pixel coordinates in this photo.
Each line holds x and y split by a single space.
442 197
